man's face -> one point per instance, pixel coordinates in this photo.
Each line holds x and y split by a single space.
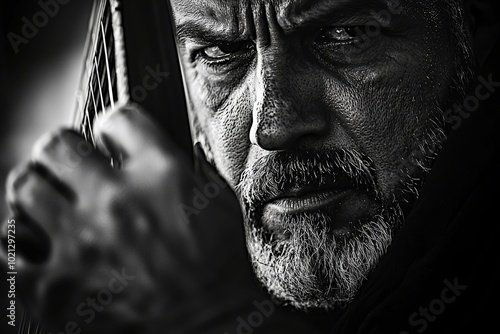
323 116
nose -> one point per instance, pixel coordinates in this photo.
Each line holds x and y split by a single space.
286 111
287 96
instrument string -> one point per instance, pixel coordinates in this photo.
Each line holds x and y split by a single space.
101 93
108 71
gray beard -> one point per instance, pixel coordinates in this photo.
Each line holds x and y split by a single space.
310 267
315 269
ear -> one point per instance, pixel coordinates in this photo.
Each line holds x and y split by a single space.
485 19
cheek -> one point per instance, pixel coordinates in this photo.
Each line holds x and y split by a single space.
230 140
223 111
392 107
396 97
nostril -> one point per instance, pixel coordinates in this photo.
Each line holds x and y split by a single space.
277 136
274 140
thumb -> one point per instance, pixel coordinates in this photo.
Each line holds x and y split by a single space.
128 133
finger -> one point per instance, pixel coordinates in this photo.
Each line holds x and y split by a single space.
30 196
30 193
15 263
69 160
127 133
26 239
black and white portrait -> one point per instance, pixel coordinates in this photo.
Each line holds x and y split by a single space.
249 166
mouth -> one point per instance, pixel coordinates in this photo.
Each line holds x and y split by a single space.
307 201
344 208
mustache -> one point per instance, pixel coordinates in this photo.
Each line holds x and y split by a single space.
279 173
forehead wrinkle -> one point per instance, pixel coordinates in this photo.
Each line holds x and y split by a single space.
300 11
232 17
216 15
302 6
295 13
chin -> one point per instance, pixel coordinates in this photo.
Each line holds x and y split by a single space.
308 267
318 223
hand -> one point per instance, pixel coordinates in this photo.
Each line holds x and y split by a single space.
103 248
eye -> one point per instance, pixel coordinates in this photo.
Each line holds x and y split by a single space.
224 50
348 45
341 34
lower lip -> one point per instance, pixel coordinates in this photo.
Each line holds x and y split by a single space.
310 202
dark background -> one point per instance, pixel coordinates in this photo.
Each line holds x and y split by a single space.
38 83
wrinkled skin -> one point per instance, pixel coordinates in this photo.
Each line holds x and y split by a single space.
374 98
107 249
271 81
281 83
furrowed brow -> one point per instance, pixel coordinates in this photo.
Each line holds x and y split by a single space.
320 12
203 33
304 14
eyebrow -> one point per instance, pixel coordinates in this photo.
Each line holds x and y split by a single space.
312 5
320 12
304 14
194 30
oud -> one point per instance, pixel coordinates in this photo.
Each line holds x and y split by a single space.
131 57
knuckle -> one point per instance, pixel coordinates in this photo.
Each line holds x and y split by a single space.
15 180
168 170
51 141
24 186
124 114
160 162
112 190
